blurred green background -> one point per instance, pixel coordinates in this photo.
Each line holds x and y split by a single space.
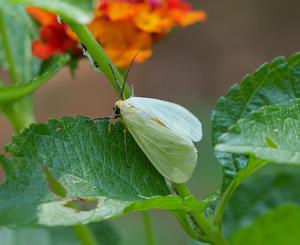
192 67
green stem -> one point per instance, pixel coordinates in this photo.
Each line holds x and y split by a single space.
19 113
99 56
117 81
148 228
210 231
253 165
105 65
84 235
8 51
181 217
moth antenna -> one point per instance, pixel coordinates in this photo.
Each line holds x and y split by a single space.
126 75
130 66
118 83
122 90
125 78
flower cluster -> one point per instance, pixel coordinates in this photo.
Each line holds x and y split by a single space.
123 27
54 38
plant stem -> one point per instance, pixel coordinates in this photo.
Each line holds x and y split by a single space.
19 113
117 81
115 77
8 51
148 228
99 56
84 235
181 217
211 233
253 165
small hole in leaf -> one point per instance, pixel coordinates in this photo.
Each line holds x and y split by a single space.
81 204
54 185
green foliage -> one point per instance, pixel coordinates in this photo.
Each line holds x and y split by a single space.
75 171
103 233
15 99
16 30
277 227
272 186
271 134
78 10
16 91
188 204
87 161
277 82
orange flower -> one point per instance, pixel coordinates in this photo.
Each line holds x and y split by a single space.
53 37
119 10
123 27
43 17
153 20
122 40
188 18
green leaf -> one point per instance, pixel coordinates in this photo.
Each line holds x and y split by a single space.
78 10
87 160
16 30
103 234
277 227
18 90
271 134
269 188
18 14
170 202
273 83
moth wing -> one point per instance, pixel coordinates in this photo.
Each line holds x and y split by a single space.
173 116
172 155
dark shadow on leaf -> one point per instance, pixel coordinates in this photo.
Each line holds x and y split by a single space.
81 204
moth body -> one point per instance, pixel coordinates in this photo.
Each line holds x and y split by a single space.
165 132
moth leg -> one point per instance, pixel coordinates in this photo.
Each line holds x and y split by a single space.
125 143
96 119
112 120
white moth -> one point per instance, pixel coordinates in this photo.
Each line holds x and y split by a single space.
165 132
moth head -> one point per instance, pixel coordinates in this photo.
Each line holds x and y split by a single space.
118 106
